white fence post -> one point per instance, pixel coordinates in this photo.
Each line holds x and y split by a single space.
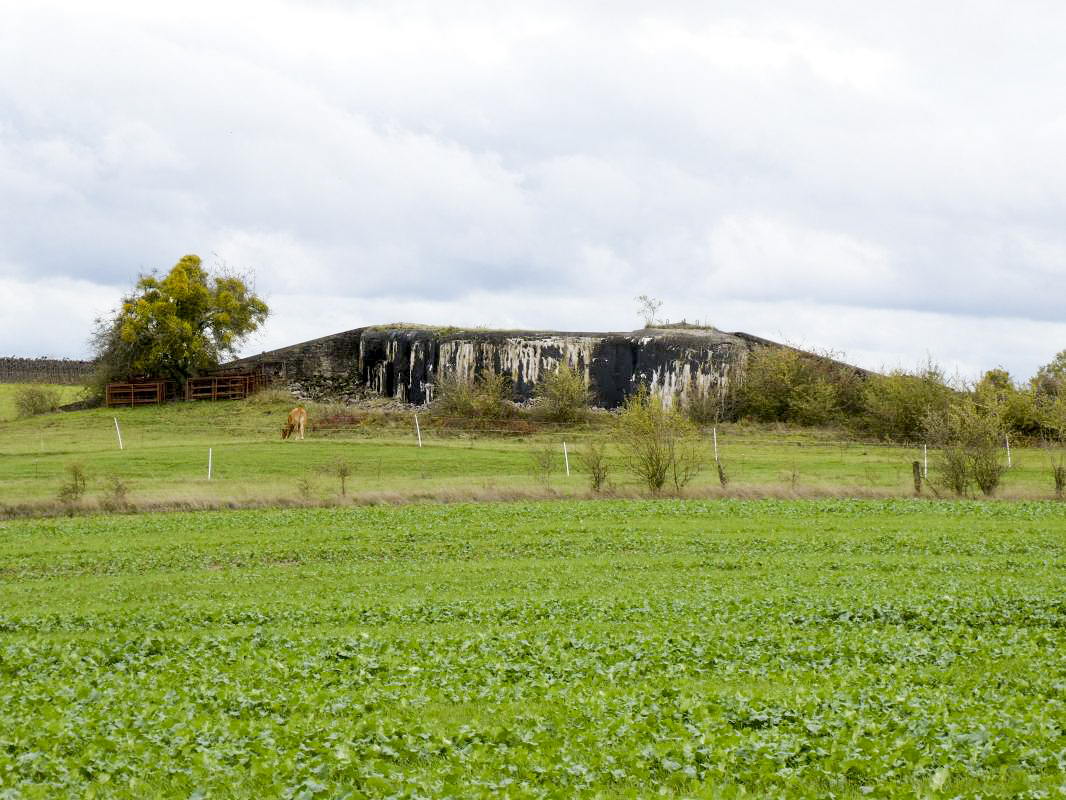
209 463
1006 438
418 431
119 433
566 460
714 432
925 461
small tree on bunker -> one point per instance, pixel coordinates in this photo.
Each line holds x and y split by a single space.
179 325
649 309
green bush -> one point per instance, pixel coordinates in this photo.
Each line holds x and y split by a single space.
657 441
1050 379
765 393
896 404
1014 407
542 463
71 492
708 408
488 396
782 384
970 440
594 459
32 399
562 396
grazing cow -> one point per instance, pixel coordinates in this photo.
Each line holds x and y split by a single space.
295 424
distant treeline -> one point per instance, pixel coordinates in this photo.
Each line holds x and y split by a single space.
781 384
45 370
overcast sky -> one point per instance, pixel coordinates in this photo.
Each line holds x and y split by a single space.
885 180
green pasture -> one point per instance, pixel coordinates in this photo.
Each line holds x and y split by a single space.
166 449
598 648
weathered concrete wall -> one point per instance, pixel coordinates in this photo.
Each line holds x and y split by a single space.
45 370
406 363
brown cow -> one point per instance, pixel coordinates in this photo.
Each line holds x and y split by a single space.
295 424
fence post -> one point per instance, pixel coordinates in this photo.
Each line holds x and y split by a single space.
119 433
209 454
418 430
566 460
714 433
925 461
1006 438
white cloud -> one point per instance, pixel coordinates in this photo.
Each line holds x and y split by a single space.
37 318
540 165
735 44
761 258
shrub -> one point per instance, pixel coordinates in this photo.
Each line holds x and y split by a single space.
71 492
305 487
896 404
542 463
594 459
658 442
1016 408
953 467
32 399
723 478
766 389
987 466
342 469
708 408
117 496
270 395
562 396
782 384
488 396
1058 472
969 438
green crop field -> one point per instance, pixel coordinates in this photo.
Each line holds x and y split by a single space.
609 648
165 452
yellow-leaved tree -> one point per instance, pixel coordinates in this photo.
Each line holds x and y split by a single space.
177 326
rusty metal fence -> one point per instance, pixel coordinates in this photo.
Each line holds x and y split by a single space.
140 393
215 387
223 387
